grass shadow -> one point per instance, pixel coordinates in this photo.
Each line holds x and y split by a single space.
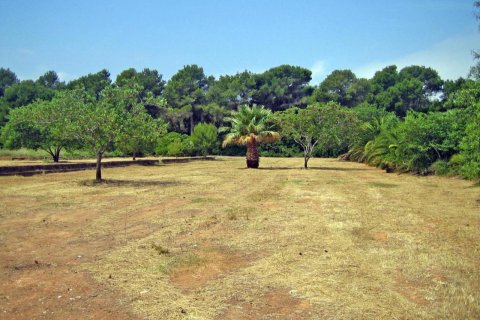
128 183
382 185
314 168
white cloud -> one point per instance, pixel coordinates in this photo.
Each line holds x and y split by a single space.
452 58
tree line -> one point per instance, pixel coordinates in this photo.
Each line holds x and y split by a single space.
408 119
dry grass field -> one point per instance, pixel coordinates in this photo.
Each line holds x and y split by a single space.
213 240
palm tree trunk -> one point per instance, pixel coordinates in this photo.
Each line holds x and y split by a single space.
252 154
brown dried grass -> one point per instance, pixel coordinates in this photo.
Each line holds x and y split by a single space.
337 241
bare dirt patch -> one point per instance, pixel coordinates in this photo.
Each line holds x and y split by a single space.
275 304
208 264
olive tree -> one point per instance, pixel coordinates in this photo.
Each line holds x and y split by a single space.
42 124
320 125
139 132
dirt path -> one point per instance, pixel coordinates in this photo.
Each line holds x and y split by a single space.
211 240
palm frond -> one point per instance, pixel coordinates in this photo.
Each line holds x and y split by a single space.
268 137
250 123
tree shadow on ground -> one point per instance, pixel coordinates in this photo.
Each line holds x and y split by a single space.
315 168
129 183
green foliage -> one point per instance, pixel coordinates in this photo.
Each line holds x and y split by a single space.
97 124
42 124
284 148
428 138
463 94
26 92
413 88
231 92
186 91
214 113
413 144
250 123
139 132
343 87
366 112
440 168
470 145
149 80
282 87
174 144
99 117
50 80
7 79
327 129
363 148
204 138
384 79
251 126
93 83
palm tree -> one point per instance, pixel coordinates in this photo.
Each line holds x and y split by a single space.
250 126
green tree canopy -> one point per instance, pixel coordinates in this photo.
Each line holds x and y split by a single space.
150 81
231 92
139 132
99 123
42 124
336 87
50 79
413 88
26 92
93 83
384 79
7 79
282 87
186 90
328 126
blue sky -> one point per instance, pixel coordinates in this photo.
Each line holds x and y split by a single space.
75 38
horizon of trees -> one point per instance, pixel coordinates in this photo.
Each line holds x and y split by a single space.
191 97
406 120
412 97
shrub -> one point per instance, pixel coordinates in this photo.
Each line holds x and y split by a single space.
441 168
174 144
204 138
470 146
426 138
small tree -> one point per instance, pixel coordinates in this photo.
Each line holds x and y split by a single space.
317 125
42 124
97 124
250 126
139 131
204 138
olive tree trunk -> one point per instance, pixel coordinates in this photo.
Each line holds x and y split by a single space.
55 153
98 176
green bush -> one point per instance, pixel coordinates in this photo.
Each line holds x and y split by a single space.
441 168
470 145
204 138
427 138
367 112
174 144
